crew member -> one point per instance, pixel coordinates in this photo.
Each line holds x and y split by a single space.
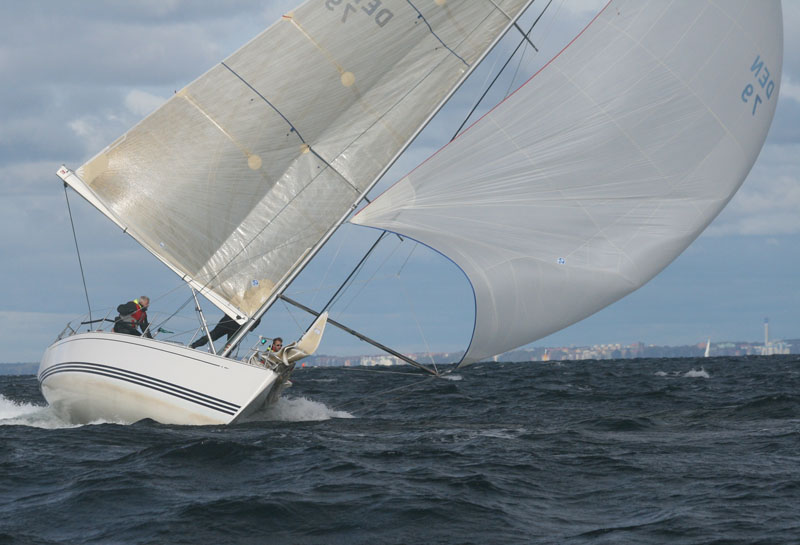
226 326
133 315
277 344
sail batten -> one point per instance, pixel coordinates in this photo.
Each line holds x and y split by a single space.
236 176
594 175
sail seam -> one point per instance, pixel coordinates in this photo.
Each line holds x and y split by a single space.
277 111
601 230
202 287
296 269
294 129
689 89
501 10
420 16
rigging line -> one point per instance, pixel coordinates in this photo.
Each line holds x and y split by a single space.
420 16
324 278
291 315
360 336
299 291
171 316
277 111
204 285
371 278
359 369
516 71
408 257
409 391
80 263
390 390
416 320
353 272
472 111
293 128
165 294
526 37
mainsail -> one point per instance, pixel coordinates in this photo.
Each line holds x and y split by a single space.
601 169
234 178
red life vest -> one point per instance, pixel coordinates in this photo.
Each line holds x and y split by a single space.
138 316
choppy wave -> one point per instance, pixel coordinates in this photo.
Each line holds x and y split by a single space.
645 451
697 373
692 373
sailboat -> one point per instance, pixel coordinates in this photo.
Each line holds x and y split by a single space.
571 193
708 349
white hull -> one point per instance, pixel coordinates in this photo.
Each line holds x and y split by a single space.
115 377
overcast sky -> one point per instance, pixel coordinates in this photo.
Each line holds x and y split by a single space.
78 73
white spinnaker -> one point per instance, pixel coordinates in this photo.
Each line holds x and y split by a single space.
234 178
601 169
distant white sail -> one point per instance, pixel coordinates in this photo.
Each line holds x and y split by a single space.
237 175
599 171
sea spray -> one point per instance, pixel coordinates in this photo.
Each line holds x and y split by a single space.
695 373
14 413
298 409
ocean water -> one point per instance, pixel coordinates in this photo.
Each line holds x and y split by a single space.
626 451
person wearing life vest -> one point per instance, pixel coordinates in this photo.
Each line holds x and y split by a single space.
277 344
133 315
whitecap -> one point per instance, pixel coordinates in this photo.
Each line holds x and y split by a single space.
13 413
660 374
503 433
695 373
12 409
298 409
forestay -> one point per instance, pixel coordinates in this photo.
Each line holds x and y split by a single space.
237 175
601 169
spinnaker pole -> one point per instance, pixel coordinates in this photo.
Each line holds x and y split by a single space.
363 337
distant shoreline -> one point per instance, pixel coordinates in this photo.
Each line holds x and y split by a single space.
515 356
19 368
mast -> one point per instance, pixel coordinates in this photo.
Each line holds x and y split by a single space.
281 286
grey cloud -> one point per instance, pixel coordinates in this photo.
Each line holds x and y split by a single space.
786 123
123 43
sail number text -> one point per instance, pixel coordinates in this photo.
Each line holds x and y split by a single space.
372 8
752 92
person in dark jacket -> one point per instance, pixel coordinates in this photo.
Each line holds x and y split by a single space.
226 326
133 315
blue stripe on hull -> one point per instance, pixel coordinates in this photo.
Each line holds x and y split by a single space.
146 381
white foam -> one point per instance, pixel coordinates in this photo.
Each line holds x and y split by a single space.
660 374
503 433
36 416
28 414
694 373
452 377
12 409
299 409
